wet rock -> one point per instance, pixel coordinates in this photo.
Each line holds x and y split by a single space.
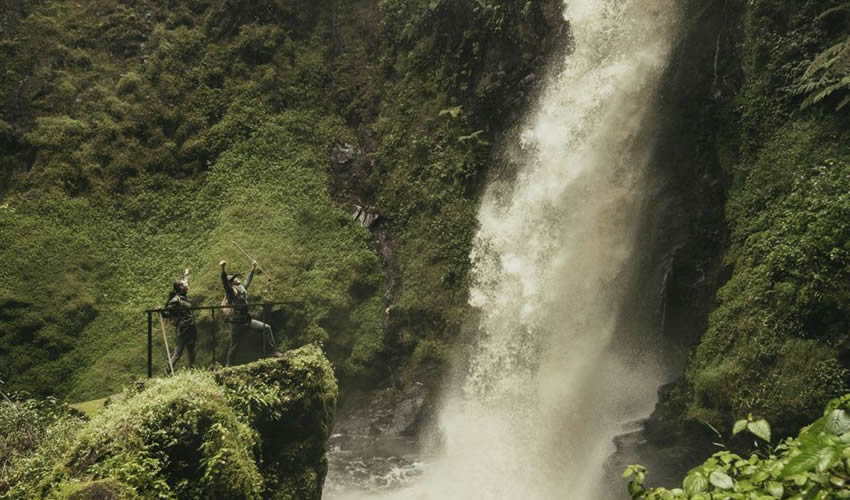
528 80
664 443
295 431
344 153
388 412
364 217
375 445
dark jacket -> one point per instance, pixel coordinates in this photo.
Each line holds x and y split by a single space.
238 298
179 312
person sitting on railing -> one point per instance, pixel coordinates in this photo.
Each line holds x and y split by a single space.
178 310
240 317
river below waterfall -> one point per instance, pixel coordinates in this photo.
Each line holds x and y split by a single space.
558 366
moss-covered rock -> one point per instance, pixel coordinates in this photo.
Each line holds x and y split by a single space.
291 403
106 489
255 431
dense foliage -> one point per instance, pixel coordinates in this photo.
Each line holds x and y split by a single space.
195 435
139 139
27 424
777 341
815 465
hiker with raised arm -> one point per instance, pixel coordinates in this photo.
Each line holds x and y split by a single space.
241 322
179 312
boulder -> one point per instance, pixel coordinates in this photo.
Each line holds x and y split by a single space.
254 431
364 217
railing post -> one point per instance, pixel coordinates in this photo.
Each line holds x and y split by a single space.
265 316
214 330
150 344
266 307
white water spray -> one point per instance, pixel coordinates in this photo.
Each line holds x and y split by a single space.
544 392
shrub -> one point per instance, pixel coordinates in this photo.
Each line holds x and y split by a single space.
248 432
814 465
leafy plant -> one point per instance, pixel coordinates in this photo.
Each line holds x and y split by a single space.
759 428
827 74
814 465
194 435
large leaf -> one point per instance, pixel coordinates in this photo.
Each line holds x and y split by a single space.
827 457
740 425
721 480
760 428
775 488
838 422
805 461
813 493
695 483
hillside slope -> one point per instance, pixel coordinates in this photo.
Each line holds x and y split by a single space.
140 139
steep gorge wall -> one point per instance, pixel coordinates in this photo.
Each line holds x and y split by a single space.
757 290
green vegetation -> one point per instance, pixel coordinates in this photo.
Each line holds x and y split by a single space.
141 139
828 75
194 435
777 340
815 465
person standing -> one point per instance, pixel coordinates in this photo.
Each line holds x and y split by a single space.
241 322
178 308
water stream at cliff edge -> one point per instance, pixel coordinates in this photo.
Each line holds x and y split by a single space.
534 412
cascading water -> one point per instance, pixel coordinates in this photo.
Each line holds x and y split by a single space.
546 388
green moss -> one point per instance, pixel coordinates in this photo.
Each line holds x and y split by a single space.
146 138
246 432
773 344
108 489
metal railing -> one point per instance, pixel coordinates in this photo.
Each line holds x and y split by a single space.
150 312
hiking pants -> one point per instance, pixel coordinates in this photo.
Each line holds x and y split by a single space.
237 330
186 336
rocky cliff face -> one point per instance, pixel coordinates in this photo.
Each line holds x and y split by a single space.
746 176
254 431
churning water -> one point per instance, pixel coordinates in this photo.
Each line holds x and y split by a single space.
545 387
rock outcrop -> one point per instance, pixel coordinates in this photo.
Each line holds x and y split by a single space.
254 431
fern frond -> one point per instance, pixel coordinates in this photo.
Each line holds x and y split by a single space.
825 59
828 57
817 97
843 102
823 94
808 87
833 10
842 62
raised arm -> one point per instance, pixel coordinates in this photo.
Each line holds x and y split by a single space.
228 290
250 275
186 276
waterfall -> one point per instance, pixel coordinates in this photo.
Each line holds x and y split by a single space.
546 387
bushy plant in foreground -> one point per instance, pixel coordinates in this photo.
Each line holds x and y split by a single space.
248 432
814 465
26 425
176 439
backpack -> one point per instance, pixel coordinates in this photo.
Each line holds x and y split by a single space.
227 311
167 314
